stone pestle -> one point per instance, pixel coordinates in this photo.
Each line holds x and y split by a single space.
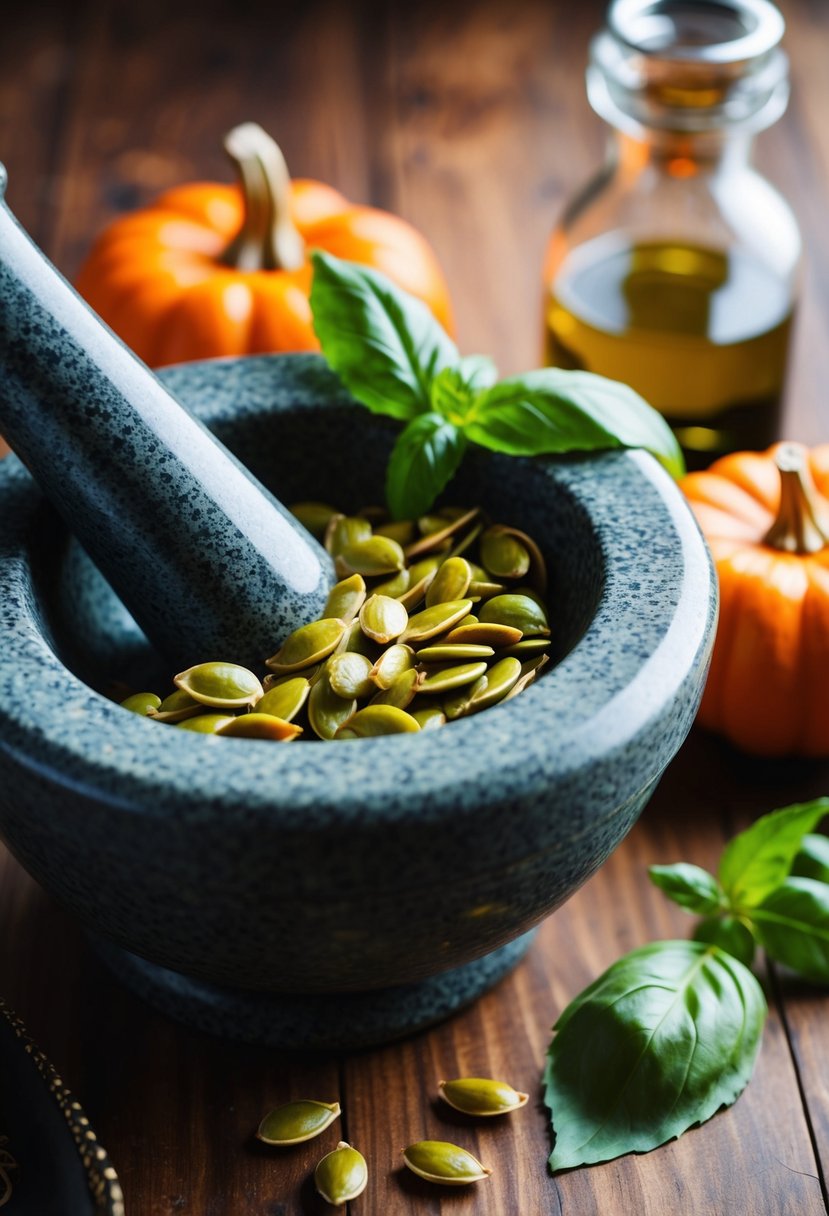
209 563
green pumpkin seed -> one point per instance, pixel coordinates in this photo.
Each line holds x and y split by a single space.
307 645
315 516
528 647
354 641
416 593
349 675
222 685
538 567
481 1096
401 692
378 720
394 587
297 1121
457 705
206 724
346 598
503 554
432 621
446 653
176 707
529 674
519 611
327 711
345 530
383 619
430 718
401 530
272 680
440 1161
286 699
258 726
450 582
474 632
444 679
142 703
341 1175
427 565
376 555
480 589
494 685
433 540
391 664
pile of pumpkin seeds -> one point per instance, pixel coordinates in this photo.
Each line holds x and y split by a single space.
342 1174
432 620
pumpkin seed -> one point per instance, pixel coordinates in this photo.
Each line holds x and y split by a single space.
519 611
416 592
465 542
480 589
503 554
426 565
456 706
450 582
446 678
376 555
327 711
142 703
395 586
206 724
429 718
432 621
440 1161
481 1096
345 530
349 675
297 1121
346 598
176 707
257 726
429 524
383 619
528 676
307 645
401 530
286 699
401 692
528 647
315 516
476 633
538 567
342 1175
377 720
272 680
446 653
222 685
432 540
354 641
392 663
494 685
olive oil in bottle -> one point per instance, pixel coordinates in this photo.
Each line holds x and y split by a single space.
701 334
676 268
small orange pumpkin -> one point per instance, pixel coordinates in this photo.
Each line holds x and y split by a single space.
210 269
766 520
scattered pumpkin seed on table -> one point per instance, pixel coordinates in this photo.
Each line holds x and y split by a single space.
481 1096
341 1175
431 620
295 1122
444 1163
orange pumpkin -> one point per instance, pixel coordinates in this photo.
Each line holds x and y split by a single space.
766 520
210 269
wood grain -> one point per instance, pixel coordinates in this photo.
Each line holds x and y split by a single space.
469 119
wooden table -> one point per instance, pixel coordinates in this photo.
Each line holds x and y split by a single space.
470 120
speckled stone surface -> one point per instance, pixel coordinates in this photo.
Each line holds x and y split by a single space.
324 868
205 561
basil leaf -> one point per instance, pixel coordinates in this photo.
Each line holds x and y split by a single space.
812 860
792 923
551 410
754 862
455 390
730 934
383 343
657 1044
689 886
424 458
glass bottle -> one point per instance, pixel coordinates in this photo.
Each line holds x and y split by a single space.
676 269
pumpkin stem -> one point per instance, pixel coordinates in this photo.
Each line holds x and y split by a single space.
801 525
268 239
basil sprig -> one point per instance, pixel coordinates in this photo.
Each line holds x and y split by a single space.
395 358
669 1034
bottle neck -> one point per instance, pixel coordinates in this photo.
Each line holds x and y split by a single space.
679 154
